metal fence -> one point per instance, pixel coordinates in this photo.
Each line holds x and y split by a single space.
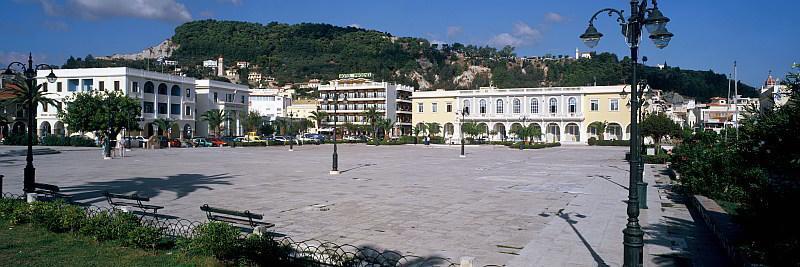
310 252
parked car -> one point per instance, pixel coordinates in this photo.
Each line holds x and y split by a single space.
229 140
201 142
163 141
136 141
216 141
175 142
313 138
286 139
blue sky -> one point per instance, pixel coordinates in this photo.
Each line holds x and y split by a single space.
709 34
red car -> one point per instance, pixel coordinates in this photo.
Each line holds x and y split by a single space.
216 141
175 142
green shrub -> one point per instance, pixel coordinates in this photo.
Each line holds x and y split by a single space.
608 142
407 139
214 239
592 141
21 214
249 144
263 250
386 143
98 226
656 159
56 216
19 140
122 223
534 145
143 236
503 143
8 206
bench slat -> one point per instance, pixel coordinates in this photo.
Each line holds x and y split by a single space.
129 197
206 208
137 205
239 221
47 187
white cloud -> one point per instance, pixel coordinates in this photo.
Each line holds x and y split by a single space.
235 2
355 25
166 10
49 7
525 31
505 39
553 17
453 31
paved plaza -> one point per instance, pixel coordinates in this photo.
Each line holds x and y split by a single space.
546 207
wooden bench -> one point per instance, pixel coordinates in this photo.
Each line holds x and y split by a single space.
50 191
239 218
132 200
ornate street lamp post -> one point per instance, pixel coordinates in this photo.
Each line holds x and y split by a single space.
522 142
29 72
655 23
335 101
464 113
289 127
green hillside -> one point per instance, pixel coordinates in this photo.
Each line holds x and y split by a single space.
299 52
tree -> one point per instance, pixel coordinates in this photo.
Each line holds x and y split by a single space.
600 127
385 124
471 129
433 128
107 113
165 124
215 118
418 129
317 117
658 126
526 133
266 129
373 116
251 121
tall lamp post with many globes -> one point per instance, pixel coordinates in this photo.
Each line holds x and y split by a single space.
655 23
29 72
335 102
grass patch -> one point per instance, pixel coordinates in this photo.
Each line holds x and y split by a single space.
27 245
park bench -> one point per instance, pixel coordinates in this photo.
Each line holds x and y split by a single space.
243 219
49 190
132 200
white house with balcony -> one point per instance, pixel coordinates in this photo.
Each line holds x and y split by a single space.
270 103
232 98
391 100
161 96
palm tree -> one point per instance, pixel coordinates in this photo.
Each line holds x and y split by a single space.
251 121
526 133
165 124
317 117
387 125
373 116
601 128
215 118
434 128
19 87
418 129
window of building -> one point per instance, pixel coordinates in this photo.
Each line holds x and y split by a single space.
135 87
162 89
188 111
87 85
175 109
499 106
433 107
482 104
72 85
162 108
149 88
188 92
216 97
516 106
466 106
535 105
573 105
44 87
553 105
243 99
614 105
101 85
147 106
59 87
420 107
594 105
116 85
449 107
175 90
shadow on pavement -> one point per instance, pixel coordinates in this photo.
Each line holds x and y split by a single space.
566 217
181 184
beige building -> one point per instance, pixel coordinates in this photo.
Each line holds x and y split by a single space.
562 114
302 108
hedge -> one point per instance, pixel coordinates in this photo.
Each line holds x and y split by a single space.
534 145
56 140
19 140
656 159
594 142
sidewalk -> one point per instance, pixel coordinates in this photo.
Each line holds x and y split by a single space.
588 231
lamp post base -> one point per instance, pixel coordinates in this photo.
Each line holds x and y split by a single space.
106 157
334 172
462 156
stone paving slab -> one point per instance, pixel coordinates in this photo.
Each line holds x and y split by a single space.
549 207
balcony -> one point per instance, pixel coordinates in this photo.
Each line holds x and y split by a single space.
528 116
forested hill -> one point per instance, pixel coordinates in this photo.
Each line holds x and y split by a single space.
299 52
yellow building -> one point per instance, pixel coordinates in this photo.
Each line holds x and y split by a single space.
435 106
302 109
563 114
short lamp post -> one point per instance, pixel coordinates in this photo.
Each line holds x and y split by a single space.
289 128
29 72
655 22
522 142
464 112
335 102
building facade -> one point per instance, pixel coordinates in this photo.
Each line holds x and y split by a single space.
270 103
392 101
233 99
161 96
563 114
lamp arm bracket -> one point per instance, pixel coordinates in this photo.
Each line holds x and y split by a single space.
611 12
16 63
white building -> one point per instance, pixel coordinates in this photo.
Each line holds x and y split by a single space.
393 101
229 97
210 64
270 103
719 114
773 94
161 96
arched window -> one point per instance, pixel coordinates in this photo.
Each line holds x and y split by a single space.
465 108
175 91
149 87
499 106
535 105
573 105
553 105
483 106
516 106
162 89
